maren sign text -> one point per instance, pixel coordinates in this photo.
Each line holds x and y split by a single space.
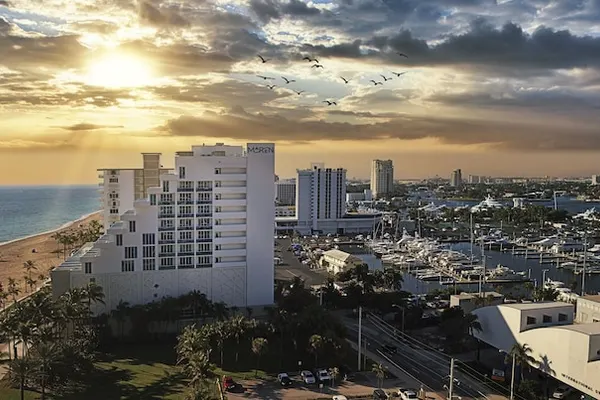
261 149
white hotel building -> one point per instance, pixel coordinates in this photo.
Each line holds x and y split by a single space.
208 226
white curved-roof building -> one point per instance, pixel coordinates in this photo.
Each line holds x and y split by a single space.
569 352
487 204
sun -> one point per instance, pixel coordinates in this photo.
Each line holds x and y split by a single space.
119 71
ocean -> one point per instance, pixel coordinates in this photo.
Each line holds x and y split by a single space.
30 210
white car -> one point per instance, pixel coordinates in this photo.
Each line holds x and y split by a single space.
408 394
307 377
339 397
562 392
323 375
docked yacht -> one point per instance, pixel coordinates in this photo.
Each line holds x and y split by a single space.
487 204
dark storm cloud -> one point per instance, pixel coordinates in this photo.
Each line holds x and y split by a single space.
4 3
154 14
483 44
241 125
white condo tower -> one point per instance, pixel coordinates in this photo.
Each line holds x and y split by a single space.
208 226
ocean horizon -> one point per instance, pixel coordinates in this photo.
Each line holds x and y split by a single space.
31 210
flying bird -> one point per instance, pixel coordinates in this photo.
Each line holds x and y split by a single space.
344 79
376 83
264 60
317 66
264 77
385 79
300 92
401 54
398 74
330 103
315 60
308 59
287 80
271 86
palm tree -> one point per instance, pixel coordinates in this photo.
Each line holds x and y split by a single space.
220 333
29 266
315 343
522 356
94 294
119 314
380 371
335 373
259 347
20 369
13 289
392 278
45 355
237 328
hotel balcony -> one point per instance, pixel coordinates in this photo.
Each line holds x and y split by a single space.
204 214
204 240
230 240
204 189
185 189
166 254
230 253
230 227
204 201
167 241
166 228
166 215
185 202
185 215
166 203
230 202
229 215
185 228
185 241
230 189
185 253
204 252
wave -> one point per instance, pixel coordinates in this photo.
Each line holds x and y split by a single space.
60 228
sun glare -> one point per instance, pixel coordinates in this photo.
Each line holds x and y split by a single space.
117 71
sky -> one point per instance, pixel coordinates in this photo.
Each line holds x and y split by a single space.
494 87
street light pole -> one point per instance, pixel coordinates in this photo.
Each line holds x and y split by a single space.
359 335
512 378
451 383
544 276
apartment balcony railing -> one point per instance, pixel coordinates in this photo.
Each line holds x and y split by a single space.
204 240
166 241
204 214
204 189
204 252
166 202
166 228
185 253
185 189
185 215
185 228
186 241
166 215
185 202
169 254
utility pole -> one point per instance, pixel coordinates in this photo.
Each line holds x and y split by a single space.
584 265
359 335
512 377
451 383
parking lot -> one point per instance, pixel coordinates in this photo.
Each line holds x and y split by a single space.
291 267
272 390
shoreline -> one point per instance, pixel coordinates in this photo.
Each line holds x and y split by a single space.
52 231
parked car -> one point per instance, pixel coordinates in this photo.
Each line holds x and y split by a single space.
446 380
408 394
308 377
284 379
339 397
229 384
379 394
323 376
562 392
498 375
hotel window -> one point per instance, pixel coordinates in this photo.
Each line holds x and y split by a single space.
182 172
148 251
204 261
186 235
167 262
87 267
531 320
153 199
149 265
148 238
131 226
167 248
167 236
204 234
186 261
119 240
546 319
127 266
113 211
186 223
204 247
217 171
186 248
562 317
113 195
165 186
204 197
131 252
166 223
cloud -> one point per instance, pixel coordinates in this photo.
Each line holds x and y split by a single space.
88 127
165 16
4 3
241 125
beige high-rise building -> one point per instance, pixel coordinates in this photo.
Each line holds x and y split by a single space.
121 187
382 177
456 178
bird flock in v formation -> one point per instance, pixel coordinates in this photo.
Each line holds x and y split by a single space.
316 64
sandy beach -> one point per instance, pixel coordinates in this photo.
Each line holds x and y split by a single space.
13 254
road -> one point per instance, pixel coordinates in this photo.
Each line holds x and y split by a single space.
426 365
291 267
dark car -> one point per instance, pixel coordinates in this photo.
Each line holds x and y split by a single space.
389 348
229 384
379 394
284 379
